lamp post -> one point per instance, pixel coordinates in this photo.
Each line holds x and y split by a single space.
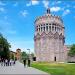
28 53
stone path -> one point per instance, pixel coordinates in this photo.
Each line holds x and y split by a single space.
19 69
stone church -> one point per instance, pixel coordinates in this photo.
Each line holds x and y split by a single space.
49 38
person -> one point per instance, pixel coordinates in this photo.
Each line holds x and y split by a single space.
6 62
29 62
13 62
10 62
2 62
24 61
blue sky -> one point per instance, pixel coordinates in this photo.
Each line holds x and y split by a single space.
17 20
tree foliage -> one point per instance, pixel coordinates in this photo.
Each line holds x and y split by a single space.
24 55
12 56
32 55
72 51
4 47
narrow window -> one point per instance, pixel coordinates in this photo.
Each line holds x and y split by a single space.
47 28
44 28
50 28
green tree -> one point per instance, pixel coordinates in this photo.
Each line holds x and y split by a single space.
12 56
4 47
32 55
72 51
24 55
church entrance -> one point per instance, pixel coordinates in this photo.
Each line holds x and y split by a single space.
55 58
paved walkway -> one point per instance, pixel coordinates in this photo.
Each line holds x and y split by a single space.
19 69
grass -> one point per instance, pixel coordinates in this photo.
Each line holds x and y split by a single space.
55 68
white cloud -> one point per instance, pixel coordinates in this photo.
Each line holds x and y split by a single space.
29 4
12 32
58 2
35 2
46 3
55 9
68 6
2 9
5 17
74 17
24 13
32 2
2 4
73 6
67 11
15 4
6 27
52 3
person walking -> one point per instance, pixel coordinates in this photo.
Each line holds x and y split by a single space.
6 62
29 62
2 62
13 62
24 61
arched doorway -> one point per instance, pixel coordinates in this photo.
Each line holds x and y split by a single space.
55 58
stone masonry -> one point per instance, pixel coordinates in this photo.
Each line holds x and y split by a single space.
49 38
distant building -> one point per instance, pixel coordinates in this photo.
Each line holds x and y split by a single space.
18 54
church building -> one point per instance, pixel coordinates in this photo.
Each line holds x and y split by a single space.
49 38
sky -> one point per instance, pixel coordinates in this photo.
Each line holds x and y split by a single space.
17 20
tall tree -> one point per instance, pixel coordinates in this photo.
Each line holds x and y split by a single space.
72 51
4 47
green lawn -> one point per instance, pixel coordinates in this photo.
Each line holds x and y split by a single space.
55 68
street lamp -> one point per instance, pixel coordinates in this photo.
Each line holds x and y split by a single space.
29 53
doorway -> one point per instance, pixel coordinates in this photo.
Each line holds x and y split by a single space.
55 58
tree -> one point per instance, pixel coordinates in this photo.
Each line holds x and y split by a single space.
24 55
72 51
32 55
12 56
4 47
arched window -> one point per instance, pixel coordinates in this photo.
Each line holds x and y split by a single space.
52 28
47 28
36 28
41 29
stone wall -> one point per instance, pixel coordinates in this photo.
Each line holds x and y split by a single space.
49 38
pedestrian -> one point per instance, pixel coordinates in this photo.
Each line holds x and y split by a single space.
13 62
10 62
24 61
6 62
29 62
1 62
